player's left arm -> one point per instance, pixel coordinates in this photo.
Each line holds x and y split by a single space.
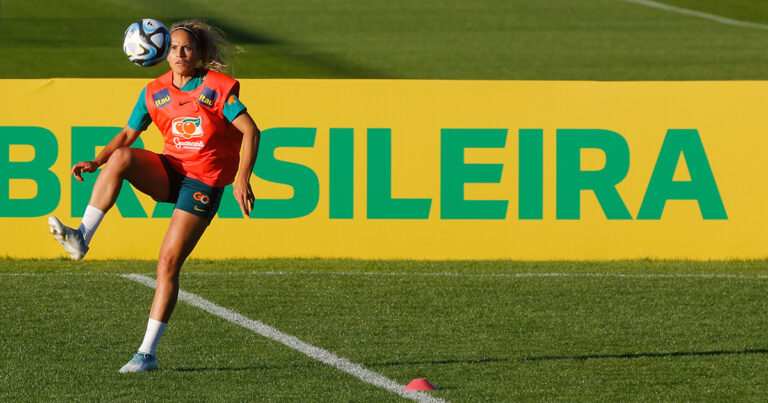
250 148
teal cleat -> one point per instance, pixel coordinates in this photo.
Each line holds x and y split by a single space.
139 363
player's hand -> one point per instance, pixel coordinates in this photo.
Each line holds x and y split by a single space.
244 196
83 167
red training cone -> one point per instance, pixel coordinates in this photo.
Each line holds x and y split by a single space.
420 384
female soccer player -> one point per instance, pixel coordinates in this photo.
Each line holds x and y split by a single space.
204 127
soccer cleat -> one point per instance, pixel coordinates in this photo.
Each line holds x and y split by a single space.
139 363
70 238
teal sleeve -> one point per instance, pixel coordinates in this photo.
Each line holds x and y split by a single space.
233 107
140 119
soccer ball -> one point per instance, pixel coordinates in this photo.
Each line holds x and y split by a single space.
146 42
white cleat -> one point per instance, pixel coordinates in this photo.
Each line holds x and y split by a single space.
139 363
71 239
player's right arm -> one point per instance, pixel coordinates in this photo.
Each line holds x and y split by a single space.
124 138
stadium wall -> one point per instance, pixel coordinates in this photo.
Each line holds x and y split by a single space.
422 169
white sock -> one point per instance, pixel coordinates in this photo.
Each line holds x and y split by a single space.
155 330
91 220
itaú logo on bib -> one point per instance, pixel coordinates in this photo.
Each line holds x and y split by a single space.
187 127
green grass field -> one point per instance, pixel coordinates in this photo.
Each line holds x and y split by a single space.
484 330
450 39
477 330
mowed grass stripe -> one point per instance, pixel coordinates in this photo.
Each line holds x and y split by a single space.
293 342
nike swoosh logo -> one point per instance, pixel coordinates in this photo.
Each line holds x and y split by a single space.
186 102
199 209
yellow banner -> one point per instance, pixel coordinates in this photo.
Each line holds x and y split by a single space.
388 169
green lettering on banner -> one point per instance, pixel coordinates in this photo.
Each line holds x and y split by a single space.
303 180
702 187
341 182
571 180
455 173
228 208
381 205
163 210
38 170
84 143
531 174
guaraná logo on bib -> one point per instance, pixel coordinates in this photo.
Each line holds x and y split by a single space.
187 127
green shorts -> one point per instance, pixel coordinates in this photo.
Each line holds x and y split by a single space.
191 195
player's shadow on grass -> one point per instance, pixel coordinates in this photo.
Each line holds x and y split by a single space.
575 357
648 355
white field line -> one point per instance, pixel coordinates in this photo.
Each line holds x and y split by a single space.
507 275
58 273
293 342
699 14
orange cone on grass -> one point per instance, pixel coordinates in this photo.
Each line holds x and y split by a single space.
420 384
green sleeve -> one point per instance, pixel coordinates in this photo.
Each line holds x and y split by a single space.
233 107
140 119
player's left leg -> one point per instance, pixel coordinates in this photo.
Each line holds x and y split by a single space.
196 206
183 234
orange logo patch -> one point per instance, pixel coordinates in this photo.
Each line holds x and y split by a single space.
201 197
187 127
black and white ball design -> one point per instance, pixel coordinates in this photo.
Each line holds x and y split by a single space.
146 42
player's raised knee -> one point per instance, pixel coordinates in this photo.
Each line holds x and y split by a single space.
120 160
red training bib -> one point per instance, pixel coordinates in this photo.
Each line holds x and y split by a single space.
198 140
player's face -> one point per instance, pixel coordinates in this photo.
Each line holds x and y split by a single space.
183 54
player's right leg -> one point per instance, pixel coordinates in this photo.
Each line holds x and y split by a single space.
143 169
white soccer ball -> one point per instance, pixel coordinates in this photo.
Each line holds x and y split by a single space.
146 42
